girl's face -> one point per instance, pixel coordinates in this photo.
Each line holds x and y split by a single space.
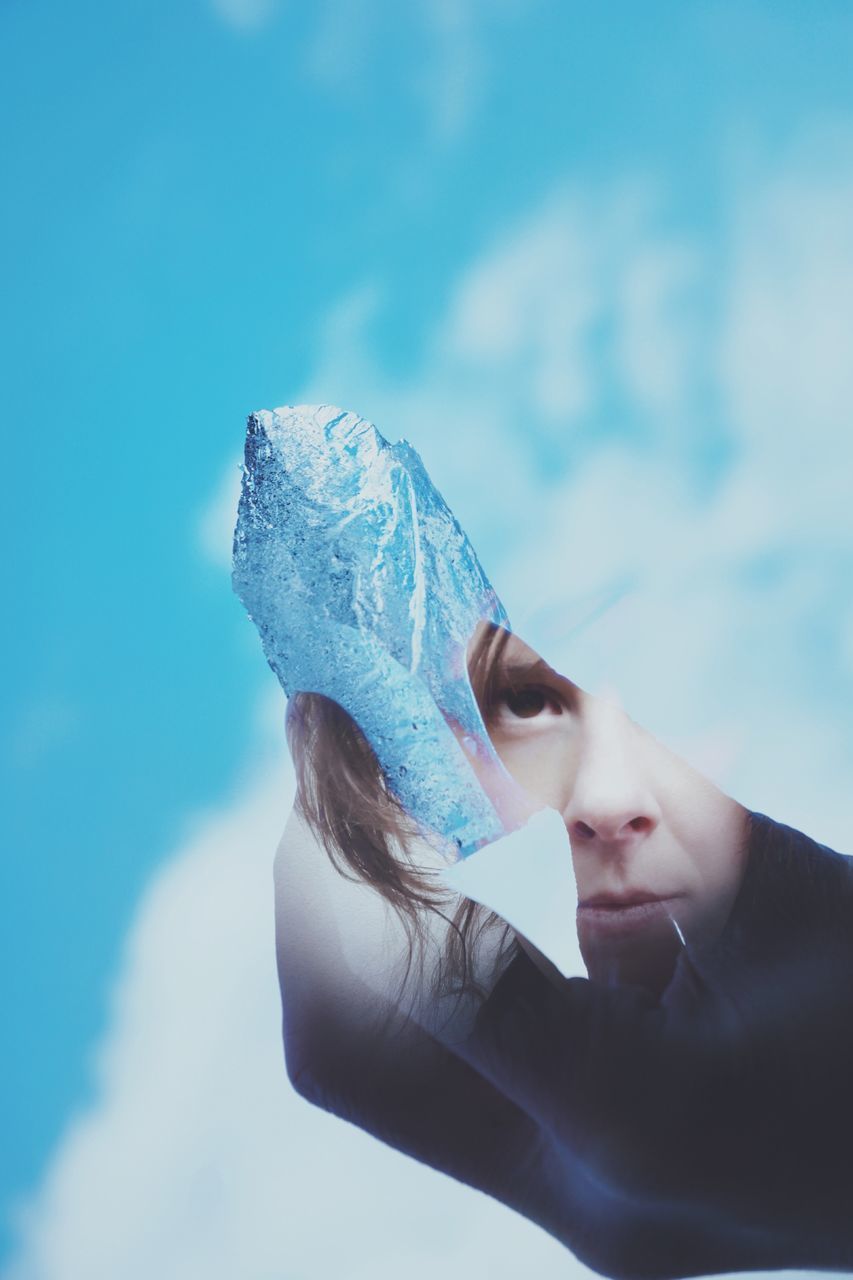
658 850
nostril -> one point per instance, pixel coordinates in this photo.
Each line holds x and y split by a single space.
640 825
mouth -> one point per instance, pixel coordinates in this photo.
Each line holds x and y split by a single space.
614 915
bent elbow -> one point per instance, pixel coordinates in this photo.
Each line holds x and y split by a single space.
308 1070
302 1078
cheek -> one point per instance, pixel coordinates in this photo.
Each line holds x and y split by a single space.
541 761
715 851
725 854
707 825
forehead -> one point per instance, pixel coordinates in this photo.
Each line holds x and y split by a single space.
516 650
500 641
497 653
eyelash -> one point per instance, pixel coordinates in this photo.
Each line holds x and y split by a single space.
552 702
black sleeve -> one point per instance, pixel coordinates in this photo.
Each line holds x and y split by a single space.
354 1057
401 1085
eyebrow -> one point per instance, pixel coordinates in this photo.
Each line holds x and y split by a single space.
527 669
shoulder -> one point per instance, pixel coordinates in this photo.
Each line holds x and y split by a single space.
793 885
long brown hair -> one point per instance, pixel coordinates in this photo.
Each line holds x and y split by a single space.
342 795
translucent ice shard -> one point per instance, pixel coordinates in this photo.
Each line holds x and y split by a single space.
365 589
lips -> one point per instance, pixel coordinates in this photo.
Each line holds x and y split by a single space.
614 915
617 901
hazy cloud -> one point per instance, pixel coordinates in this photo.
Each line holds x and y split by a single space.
45 723
215 523
450 75
246 15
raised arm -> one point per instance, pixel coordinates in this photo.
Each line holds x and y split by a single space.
351 1049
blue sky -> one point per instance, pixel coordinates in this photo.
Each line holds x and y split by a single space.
579 254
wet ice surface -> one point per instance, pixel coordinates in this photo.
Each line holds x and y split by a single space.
364 588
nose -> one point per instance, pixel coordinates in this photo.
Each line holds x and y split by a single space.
611 805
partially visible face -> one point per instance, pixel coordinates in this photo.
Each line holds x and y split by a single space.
658 850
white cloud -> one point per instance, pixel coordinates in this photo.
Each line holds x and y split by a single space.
214 525
448 80
246 15
655 342
785 354
338 51
456 71
454 75
527 308
517 363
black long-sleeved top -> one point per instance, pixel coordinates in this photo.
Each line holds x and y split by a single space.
710 1130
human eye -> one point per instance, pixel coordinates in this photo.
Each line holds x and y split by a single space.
527 702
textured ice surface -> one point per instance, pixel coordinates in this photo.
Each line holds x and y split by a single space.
364 588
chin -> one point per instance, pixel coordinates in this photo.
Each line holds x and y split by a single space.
648 962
